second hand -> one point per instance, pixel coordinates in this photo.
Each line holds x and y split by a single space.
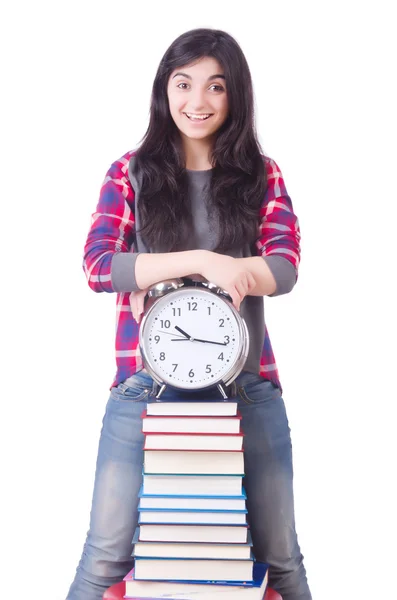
174 334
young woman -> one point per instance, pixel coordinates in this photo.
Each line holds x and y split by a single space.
197 197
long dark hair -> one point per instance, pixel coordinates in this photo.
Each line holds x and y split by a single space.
238 180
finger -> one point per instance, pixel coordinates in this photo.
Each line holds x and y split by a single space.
132 301
141 303
235 296
133 305
242 288
246 284
137 303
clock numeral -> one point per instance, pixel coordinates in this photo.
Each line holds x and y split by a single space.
209 310
162 355
176 311
227 339
157 339
220 357
192 305
175 366
191 373
208 369
222 322
166 324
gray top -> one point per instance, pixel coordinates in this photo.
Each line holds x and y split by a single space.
205 237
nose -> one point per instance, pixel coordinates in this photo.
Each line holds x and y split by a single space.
197 99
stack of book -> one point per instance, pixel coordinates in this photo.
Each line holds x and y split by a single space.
192 539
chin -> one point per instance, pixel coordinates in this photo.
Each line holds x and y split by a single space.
197 136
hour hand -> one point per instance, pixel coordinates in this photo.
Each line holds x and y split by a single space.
183 332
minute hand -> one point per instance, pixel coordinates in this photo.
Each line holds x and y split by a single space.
209 342
181 339
193 339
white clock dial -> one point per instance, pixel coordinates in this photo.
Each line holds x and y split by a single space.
191 338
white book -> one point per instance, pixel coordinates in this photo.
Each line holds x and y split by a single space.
200 485
181 441
192 502
198 516
175 424
192 462
191 549
194 409
230 534
192 569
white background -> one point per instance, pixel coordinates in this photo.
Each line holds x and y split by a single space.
76 82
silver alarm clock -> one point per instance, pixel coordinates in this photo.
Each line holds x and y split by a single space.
191 336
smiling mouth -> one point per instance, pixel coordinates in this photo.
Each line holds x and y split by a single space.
197 118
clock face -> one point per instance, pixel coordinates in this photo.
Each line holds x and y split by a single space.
191 338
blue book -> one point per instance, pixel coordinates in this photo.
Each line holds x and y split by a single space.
211 549
136 539
188 532
195 510
242 496
208 590
238 475
191 501
196 570
193 517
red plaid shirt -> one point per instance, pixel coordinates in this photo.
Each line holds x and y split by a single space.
112 230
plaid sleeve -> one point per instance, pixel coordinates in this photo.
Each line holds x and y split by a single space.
279 233
112 226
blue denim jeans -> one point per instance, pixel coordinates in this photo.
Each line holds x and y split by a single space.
268 482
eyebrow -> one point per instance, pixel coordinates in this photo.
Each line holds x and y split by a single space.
210 78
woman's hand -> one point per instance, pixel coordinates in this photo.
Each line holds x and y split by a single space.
227 272
230 274
137 300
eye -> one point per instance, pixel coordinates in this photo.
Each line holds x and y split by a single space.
182 83
219 88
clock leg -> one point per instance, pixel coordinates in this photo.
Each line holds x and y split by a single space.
161 390
222 391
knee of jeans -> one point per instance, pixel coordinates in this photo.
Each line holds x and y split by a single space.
113 515
284 552
105 551
104 561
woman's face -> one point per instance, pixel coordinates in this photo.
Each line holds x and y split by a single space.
197 98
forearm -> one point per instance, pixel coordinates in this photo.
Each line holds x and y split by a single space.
275 275
265 282
151 268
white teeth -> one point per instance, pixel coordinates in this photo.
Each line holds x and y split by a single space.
197 117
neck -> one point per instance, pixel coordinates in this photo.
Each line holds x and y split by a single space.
197 154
